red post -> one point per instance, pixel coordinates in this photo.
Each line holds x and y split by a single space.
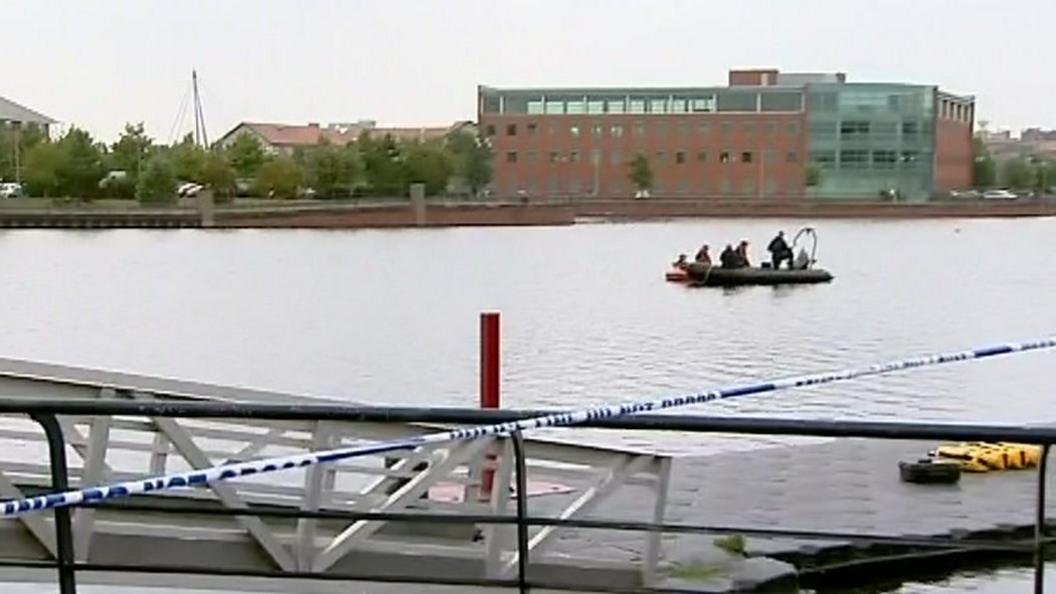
489 387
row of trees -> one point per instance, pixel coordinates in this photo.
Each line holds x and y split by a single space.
1020 173
135 166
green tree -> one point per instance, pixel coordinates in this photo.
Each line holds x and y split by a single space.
812 175
332 171
82 165
219 175
427 164
41 169
188 159
471 157
157 182
246 155
641 173
1018 173
1044 174
12 161
383 166
131 151
280 177
984 170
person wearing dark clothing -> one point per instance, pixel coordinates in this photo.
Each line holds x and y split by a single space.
779 251
728 257
681 263
742 255
703 256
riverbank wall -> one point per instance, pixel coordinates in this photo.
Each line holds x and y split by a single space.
401 213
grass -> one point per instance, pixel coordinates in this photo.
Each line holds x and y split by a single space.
733 543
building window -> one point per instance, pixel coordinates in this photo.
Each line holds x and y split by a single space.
678 106
703 105
792 127
680 157
704 128
574 130
910 157
535 107
791 157
910 128
771 128
702 156
636 106
511 130
726 127
660 156
615 106
616 130
531 157
746 157
617 188
748 186
703 187
490 130
854 159
597 130
639 129
531 128
658 106
573 187
854 128
554 157
551 129
573 157
683 129
575 107
595 156
748 127
683 186
555 107
616 156
771 186
885 159
825 159
595 107
769 156
551 186
511 156
724 157
725 186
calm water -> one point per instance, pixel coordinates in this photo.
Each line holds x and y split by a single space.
390 317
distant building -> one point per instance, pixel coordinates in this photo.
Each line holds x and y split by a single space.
1032 142
754 138
285 138
13 114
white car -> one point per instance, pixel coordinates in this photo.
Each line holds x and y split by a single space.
10 190
188 190
999 195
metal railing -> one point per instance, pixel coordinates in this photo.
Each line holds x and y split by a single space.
46 413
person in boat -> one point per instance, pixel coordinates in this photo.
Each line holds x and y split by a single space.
703 257
802 260
728 257
779 251
742 255
681 263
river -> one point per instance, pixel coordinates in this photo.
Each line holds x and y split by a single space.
390 316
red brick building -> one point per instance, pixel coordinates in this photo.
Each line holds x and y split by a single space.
752 138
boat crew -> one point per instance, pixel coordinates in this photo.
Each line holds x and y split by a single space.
742 255
728 257
703 257
779 251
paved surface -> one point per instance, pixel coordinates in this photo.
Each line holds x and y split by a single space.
849 486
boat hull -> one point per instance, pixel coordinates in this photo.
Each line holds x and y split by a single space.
713 276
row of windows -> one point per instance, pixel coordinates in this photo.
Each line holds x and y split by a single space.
951 110
639 128
861 128
869 101
859 159
597 156
576 187
611 103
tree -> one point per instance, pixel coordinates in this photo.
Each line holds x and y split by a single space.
131 151
332 171
812 175
641 173
427 164
383 166
280 177
41 169
188 159
984 170
1018 173
1045 174
246 154
218 174
471 159
157 183
12 160
82 165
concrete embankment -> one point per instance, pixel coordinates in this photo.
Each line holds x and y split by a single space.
435 213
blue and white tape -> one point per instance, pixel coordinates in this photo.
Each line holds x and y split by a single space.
230 471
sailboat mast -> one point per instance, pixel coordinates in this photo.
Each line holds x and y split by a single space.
201 138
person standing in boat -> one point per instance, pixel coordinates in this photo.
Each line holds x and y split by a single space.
779 251
742 255
728 257
681 263
703 257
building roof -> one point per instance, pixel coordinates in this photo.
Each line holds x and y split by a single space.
339 134
13 112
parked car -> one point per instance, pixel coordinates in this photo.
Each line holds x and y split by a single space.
999 195
10 190
966 194
641 194
188 190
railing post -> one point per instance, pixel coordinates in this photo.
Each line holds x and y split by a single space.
489 389
59 483
1039 524
522 513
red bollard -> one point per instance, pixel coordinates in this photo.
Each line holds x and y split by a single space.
489 388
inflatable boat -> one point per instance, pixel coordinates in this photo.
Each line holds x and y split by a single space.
704 275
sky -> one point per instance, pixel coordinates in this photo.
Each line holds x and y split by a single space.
101 63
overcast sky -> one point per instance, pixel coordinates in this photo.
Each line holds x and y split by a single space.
100 63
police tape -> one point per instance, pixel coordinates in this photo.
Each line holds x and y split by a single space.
230 471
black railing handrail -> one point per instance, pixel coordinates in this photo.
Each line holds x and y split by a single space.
1035 434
